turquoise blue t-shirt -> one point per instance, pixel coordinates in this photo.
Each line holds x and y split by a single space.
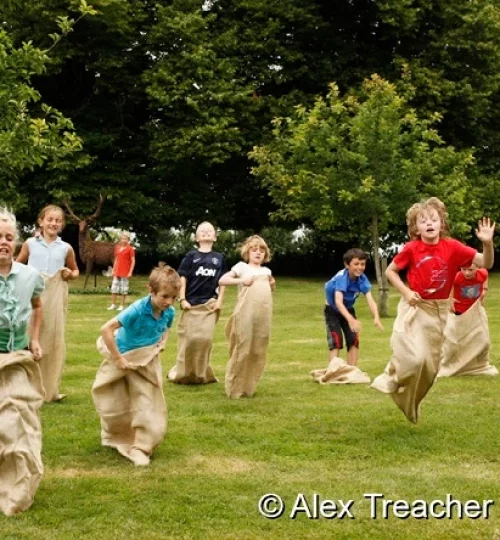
139 326
350 288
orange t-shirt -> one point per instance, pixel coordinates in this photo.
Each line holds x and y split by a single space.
123 258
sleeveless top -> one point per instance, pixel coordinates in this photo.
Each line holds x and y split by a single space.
47 258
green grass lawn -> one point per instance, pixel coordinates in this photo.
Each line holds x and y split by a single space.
294 437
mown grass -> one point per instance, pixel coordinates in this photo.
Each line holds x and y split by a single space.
221 456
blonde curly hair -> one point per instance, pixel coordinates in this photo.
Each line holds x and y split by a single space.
423 208
255 241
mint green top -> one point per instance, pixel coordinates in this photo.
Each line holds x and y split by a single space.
16 291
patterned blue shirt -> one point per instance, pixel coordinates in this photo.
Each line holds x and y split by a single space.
350 288
140 327
16 291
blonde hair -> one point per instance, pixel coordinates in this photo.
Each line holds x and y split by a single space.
51 208
204 223
252 241
424 207
164 277
8 217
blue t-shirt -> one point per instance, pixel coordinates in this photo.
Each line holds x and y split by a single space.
350 288
139 326
47 258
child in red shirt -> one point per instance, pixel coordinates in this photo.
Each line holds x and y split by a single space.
123 268
470 285
431 260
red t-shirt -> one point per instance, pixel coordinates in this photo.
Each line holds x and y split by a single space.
123 258
467 291
431 268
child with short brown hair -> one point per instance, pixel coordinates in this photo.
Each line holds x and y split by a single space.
128 390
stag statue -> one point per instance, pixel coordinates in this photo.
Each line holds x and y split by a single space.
91 252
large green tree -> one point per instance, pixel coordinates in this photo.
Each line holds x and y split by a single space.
32 134
352 165
169 95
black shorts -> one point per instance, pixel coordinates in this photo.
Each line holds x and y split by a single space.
335 325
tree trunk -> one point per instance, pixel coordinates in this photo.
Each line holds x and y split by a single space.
380 268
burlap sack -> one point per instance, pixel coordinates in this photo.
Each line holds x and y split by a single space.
21 396
195 331
417 339
466 348
130 402
248 331
339 372
52 333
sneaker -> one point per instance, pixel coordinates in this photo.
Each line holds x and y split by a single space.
138 457
111 307
120 308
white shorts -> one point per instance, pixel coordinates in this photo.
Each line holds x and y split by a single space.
119 285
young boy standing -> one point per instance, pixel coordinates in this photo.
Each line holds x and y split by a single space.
123 268
128 391
201 301
467 343
341 294
431 261
470 285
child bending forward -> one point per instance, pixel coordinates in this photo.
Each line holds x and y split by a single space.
341 293
249 327
431 261
127 391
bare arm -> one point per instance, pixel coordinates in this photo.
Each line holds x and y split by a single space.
229 278
220 298
485 290
392 273
108 336
485 232
71 271
35 324
23 254
372 306
132 266
182 294
272 282
354 324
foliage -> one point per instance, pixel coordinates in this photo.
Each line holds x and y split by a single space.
32 134
351 160
353 165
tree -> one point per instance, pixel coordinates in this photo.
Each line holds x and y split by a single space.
352 165
32 134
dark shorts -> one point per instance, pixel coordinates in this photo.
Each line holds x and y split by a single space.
335 325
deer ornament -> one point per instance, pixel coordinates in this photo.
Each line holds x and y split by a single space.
92 253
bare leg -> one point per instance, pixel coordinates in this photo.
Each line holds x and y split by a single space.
333 354
352 356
